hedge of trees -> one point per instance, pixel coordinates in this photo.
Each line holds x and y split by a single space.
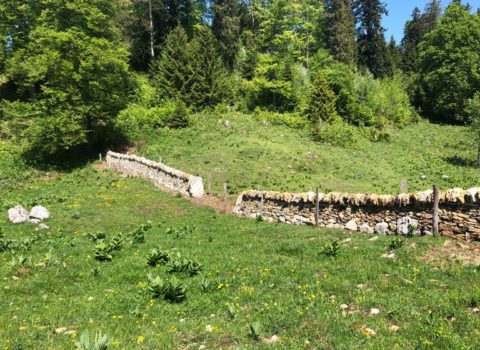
83 75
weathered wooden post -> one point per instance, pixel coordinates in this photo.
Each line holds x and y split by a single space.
261 205
403 186
100 157
317 207
436 198
225 197
209 184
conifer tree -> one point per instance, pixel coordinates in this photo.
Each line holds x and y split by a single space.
340 30
321 107
209 84
372 48
226 28
173 71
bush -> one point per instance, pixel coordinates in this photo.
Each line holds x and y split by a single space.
321 106
292 120
138 119
338 134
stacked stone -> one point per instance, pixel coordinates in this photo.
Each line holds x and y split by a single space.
160 174
459 210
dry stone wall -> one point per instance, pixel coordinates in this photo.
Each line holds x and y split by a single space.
459 211
159 174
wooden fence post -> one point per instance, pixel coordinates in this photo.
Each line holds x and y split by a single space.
317 207
436 198
100 157
261 205
209 184
403 186
225 197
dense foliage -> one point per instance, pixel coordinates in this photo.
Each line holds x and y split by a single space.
67 68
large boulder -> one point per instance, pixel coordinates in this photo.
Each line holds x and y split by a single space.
404 224
40 213
17 215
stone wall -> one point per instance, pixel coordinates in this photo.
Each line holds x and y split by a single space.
159 174
459 211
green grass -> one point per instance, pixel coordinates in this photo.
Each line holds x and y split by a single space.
251 155
272 274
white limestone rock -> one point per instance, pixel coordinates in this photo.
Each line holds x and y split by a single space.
17 215
404 223
382 228
351 225
195 187
365 228
39 212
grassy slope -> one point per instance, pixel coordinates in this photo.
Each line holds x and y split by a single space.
250 155
274 274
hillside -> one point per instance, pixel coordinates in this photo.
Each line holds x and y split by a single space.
249 154
273 279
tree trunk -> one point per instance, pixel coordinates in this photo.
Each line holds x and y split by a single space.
150 12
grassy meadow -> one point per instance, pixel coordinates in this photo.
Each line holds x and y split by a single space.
257 280
250 154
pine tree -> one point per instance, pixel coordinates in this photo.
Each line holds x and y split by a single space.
340 30
372 48
394 54
321 107
209 84
147 23
415 30
173 71
226 28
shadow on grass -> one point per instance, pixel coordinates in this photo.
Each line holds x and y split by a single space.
461 162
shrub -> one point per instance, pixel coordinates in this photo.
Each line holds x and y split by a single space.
337 134
321 106
158 257
190 267
396 243
292 120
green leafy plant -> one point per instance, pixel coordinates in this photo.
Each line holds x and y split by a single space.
97 236
158 257
190 267
331 249
138 234
206 285
180 232
254 330
231 311
18 261
103 252
171 290
100 342
396 243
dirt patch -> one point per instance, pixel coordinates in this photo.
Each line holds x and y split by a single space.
100 165
467 253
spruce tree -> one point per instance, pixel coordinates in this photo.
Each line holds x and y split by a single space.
226 28
321 107
209 85
340 30
173 71
372 48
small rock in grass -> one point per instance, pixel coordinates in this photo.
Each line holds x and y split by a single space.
368 332
394 328
388 256
39 212
475 310
445 177
373 238
344 306
374 311
43 226
209 328
272 340
17 215
61 330
202 347
70 332
346 240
